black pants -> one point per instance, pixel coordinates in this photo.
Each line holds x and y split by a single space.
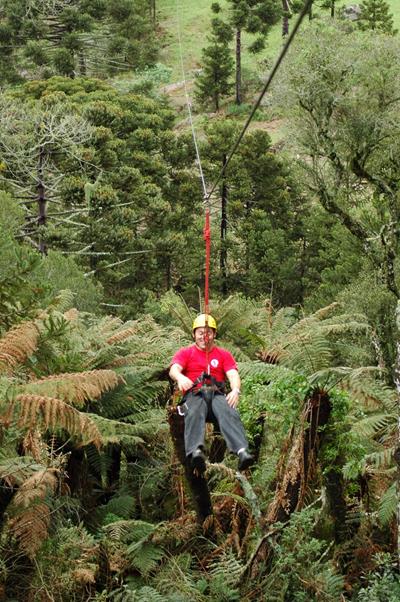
198 412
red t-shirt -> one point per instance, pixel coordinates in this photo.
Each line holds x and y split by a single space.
193 362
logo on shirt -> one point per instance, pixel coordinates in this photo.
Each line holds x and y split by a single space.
214 363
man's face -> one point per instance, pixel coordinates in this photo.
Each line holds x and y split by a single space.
204 337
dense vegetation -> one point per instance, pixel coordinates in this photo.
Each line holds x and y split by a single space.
101 262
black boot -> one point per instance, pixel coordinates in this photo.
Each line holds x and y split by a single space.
245 459
198 460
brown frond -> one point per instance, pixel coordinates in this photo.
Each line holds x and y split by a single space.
71 315
271 356
75 387
127 360
32 445
17 344
121 336
55 413
84 576
31 514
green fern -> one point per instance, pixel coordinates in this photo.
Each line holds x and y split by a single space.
145 556
16 470
388 505
227 567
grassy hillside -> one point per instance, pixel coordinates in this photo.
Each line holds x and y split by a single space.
194 18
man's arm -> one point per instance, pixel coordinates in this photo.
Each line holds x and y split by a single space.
184 383
234 381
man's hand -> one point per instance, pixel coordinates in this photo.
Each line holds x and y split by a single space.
233 398
184 383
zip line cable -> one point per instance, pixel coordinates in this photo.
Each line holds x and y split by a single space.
275 68
189 107
206 196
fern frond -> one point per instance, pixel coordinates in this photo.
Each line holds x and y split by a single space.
17 345
326 311
71 315
388 505
76 387
227 567
113 431
375 425
149 594
54 413
263 372
15 471
107 325
31 513
381 459
122 335
145 556
63 301
118 530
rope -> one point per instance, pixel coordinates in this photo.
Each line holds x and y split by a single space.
206 196
271 76
189 109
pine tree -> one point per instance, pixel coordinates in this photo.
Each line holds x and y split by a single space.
214 81
375 15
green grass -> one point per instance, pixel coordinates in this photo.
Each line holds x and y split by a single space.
194 17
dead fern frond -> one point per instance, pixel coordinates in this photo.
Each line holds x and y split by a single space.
71 315
75 387
31 513
54 413
122 335
17 345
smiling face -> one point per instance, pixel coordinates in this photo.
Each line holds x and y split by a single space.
204 338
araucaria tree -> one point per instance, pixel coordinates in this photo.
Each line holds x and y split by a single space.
215 82
255 17
74 37
376 15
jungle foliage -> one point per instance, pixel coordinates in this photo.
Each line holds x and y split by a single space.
101 260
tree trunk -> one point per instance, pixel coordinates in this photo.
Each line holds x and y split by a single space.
285 18
197 483
295 473
298 469
333 8
82 63
216 102
41 199
224 228
238 67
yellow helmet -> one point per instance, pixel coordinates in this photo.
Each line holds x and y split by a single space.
201 321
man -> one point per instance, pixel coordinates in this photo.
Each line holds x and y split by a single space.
200 372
